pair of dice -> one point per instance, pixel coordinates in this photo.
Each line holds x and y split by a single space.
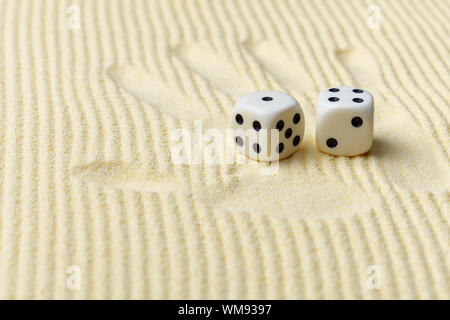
270 125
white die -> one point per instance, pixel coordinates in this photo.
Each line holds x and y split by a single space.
344 121
268 125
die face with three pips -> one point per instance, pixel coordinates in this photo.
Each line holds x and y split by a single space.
344 121
268 125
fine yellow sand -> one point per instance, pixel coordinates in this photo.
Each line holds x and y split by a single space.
89 190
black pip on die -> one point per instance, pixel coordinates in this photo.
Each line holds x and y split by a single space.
268 125
344 121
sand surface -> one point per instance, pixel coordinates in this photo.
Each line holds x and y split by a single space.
89 190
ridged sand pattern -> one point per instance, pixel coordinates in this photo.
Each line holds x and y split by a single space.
86 177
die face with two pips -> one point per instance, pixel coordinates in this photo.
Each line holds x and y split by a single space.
344 121
268 125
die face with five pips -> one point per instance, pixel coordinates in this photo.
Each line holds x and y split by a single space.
344 121
268 125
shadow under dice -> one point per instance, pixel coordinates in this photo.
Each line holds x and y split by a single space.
344 121
268 125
